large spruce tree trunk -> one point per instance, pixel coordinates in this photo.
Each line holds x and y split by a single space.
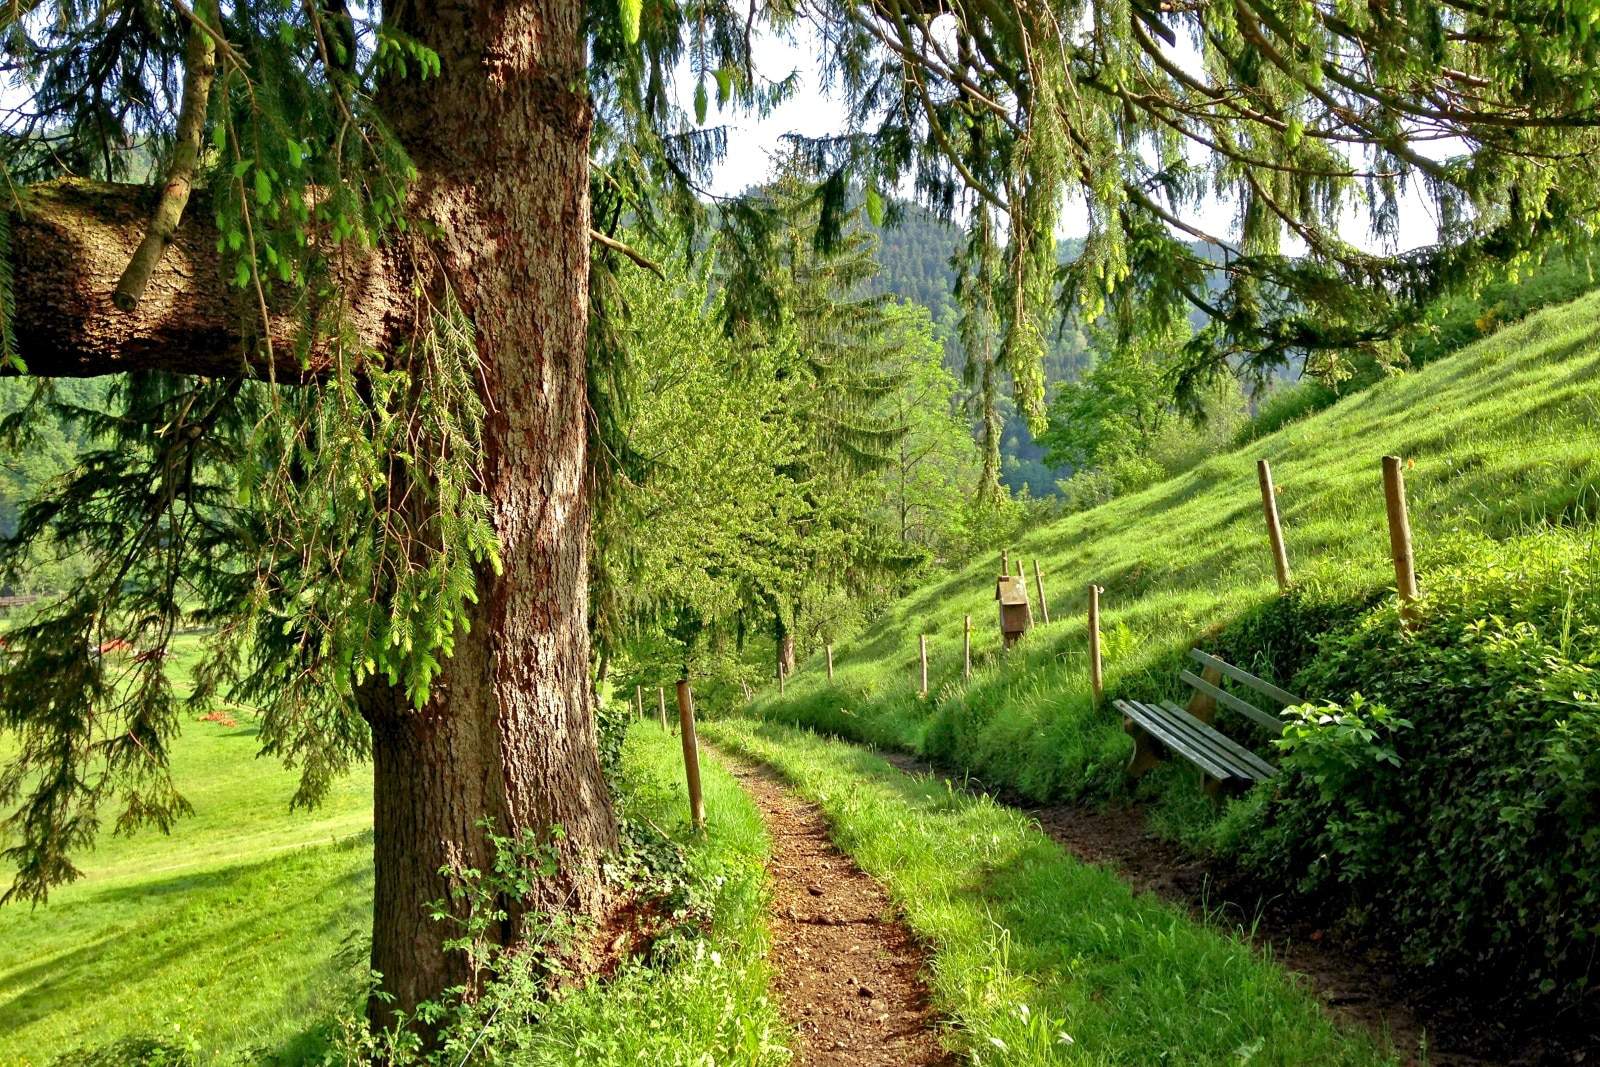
501 144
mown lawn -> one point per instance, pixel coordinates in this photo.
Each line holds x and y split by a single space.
242 930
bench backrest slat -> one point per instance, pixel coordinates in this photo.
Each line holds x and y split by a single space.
1228 700
1282 696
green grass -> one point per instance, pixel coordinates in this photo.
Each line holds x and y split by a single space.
709 1003
1039 958
1504 436
230 934
242 937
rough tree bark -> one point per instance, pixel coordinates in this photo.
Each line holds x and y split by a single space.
501 144
783 638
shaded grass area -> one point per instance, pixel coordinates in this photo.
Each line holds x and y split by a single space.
1039 958
1501 438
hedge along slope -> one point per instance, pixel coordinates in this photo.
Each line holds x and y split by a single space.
1503 442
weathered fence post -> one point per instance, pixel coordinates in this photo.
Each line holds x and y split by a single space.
1405 570
1038 584
922 648
638 700
661 701
1096 683
691 753
1005 561
1269 505
966 641
830 663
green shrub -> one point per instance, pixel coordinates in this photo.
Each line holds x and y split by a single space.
1445 797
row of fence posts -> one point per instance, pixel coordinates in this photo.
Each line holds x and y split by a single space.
1394 494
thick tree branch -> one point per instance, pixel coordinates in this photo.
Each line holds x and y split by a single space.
70 243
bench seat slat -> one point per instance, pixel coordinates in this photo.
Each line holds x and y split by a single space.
1223 752
1260 685
1199 735
1260 769
1228 700
1157 722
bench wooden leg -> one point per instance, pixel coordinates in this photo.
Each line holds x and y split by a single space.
1147 751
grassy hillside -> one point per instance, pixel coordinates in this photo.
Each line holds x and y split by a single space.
1494 693
1501 439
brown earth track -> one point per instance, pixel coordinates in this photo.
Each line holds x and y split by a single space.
847 970
1359 984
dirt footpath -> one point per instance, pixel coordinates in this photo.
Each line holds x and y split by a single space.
848 971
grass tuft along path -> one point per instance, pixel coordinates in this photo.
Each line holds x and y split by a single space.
1038 958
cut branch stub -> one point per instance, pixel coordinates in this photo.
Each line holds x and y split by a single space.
70 244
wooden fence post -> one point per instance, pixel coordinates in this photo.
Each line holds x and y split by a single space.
966 641
691 754
638 700
661 700
1269 505
1096 683
1038 584
1405 570
1005 561
830 663
922 647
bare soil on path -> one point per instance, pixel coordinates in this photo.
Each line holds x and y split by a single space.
1359 984
847 970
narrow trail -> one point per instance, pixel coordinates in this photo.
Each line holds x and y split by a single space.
1358 985
847 971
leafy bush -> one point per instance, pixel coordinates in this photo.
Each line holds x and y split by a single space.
1461 823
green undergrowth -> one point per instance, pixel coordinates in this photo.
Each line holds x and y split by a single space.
1502 443
1036 957
701 994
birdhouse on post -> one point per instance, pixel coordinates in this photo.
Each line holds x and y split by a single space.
1015 615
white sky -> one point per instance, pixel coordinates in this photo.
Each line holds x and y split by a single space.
754 144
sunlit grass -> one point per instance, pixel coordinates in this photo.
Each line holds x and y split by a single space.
1038 958
1500 438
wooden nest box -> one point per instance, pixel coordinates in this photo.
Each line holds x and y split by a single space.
1015 615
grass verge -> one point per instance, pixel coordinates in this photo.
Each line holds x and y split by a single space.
1039 958
701 999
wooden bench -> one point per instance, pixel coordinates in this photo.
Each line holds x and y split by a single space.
1188 731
